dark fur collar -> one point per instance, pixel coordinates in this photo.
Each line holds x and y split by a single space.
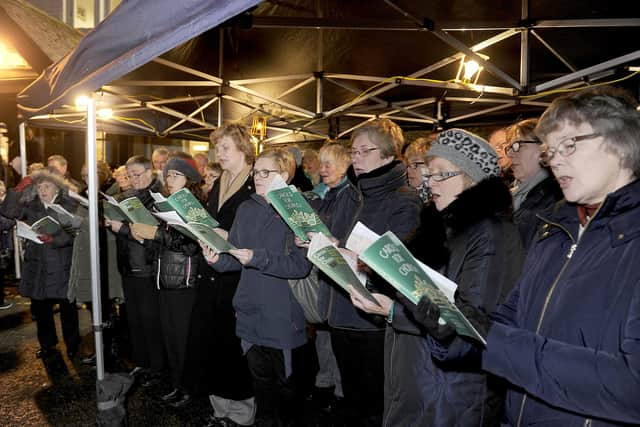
490 197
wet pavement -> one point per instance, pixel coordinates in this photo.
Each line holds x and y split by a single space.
61 391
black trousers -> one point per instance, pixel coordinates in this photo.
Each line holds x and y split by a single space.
143 316
279 399
360 357
47 337
175 316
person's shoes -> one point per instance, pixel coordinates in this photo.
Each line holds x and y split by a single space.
45 352
150 380
214 421
89 360
181 401
6 305
174 394
138 370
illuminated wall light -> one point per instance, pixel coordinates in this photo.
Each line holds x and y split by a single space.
200 147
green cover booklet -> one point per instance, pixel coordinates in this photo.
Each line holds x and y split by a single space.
46 225
295 210
184 212
130 209
388 257
340 268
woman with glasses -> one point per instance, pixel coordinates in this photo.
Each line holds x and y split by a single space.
535 189
483 257
136 263
382 201
568 337
176 273
216 365
270 322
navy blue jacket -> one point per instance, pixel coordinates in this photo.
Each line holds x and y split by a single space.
267 312
568 337
385 203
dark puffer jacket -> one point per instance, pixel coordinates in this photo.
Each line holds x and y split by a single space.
568 337
137 259
179 260
485 256
45 273
386 203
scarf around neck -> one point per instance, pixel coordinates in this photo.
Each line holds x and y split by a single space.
228 188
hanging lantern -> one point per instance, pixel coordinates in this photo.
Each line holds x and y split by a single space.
259 127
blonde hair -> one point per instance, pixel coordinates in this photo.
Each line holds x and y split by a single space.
283 159
336 153
419 147
240 136
386 135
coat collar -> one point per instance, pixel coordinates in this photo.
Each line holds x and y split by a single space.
383 179
490 197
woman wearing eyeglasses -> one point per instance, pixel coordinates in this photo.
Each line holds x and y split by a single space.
215 363
483 257
176 274
535 189
270 321
568 337
382 201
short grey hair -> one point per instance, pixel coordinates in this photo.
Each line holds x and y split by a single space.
610 111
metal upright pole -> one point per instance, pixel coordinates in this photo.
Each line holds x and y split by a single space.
92 191
22 131
220 69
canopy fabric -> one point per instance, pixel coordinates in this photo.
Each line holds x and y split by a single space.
132 35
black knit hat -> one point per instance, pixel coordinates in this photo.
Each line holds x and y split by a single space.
184 166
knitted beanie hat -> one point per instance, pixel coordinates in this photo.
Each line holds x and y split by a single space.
469 152
185 166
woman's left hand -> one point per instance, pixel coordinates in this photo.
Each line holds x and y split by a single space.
369 307
242 255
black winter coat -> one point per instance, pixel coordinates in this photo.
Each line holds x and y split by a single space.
137 259
541 198
385 203
45 272
484 259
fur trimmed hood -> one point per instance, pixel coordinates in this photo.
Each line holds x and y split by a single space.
31 192
490 197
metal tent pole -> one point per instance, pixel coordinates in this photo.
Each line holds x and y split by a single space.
92 170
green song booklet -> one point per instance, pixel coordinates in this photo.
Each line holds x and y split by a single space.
130 209
294 209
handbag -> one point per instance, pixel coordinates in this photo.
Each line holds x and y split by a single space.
307 291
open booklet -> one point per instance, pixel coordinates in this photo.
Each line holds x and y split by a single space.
46 225
294 209
388 257
130 209
339 267
66 218
184 212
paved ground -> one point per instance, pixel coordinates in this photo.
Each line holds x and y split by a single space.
61 392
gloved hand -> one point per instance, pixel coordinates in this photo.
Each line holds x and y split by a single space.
478 318
427 314
141 231
45 238
24 183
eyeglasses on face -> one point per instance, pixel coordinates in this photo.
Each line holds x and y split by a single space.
363 152
565 147
133 175
415 165
174 174
515 146
441 176
263 173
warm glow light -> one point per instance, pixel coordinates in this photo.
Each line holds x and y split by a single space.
470 68
82 101
200 147
105 113
9 58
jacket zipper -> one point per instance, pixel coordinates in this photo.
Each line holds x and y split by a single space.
569 255
158 276
587 422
